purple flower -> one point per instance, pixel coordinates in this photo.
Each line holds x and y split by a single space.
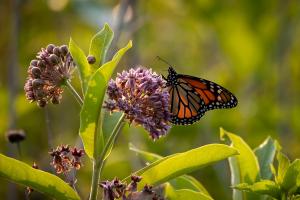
141 94
115 189
47 73
65 158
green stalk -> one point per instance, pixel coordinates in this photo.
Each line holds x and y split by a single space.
73 91
99 162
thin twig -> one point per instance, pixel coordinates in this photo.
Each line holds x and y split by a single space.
19 150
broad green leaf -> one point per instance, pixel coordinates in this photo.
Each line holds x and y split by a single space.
244 167
180 182
265 154
81 63
49 184
108 68
182 163
99 46
110 122
183 194
264 187
292 174
90 115
188 182
283 165
273 170
296 197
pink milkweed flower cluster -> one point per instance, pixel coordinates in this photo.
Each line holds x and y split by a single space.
141 94
65 158
46 74
115 189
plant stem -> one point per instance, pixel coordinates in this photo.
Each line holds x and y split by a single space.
74 93
99 162
19 150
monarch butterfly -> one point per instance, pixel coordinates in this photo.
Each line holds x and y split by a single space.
191 97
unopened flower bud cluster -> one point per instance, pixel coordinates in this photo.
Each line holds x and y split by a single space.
46 74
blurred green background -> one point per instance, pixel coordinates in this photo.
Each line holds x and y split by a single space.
251 47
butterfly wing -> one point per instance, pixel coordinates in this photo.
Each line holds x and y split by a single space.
186 105
213 95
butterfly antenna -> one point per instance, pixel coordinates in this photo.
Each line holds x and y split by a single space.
163 60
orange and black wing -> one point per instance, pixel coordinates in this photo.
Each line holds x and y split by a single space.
213 95
186 105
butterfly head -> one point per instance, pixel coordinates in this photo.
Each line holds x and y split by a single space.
172 77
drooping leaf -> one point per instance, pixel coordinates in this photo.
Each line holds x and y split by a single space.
183 194
182 163
49 184
99 46
180 182
291 176
81 63
264 187
90 115
265 154
244 167
283 165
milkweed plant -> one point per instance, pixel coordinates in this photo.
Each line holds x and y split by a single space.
137 96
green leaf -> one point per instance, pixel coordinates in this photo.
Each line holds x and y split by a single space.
110 122
99 45
264 187
180 182
81 63
265 154
49 184
108 68
90 115
183 194
291 176
244 167
188 182
283 165
296 197
182 163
